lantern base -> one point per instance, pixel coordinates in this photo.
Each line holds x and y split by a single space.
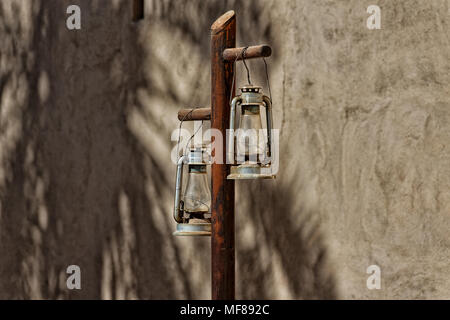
195 228
249 172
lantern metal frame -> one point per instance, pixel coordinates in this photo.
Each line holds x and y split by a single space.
186 226
250 96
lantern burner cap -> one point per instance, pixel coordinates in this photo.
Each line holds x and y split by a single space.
196 228
249 171
197 156
251 88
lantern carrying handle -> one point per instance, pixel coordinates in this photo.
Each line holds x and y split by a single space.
230 152
177 212
269 119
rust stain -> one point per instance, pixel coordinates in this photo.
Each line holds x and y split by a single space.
223 36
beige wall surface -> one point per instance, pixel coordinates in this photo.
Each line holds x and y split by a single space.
86 119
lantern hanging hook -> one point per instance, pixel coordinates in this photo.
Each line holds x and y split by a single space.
244 51
192 137
268 79
179 131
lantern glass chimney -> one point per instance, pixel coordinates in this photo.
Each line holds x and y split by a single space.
197 197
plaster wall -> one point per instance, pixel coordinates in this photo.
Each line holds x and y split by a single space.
86 119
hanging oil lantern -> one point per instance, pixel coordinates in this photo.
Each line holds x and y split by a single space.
192 208
249 146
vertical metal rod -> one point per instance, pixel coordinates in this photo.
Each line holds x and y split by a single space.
138 10
223 36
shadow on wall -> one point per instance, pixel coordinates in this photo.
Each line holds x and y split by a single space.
194 18
21 185
75 187
299 247
85 178
281 252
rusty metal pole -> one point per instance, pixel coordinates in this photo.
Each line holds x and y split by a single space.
138 10
223 36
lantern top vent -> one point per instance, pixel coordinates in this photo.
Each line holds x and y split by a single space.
198 156
251 88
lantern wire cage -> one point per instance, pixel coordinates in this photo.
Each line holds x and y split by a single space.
266 68
190 139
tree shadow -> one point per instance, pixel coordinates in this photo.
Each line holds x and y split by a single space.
87 180
76 192
286 248
270 209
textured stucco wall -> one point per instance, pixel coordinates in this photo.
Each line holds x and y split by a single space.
86 119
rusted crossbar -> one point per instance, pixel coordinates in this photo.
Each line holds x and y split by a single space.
194 114
262 51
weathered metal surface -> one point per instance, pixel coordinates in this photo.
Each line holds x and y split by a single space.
250 96
199 229
223 36
249 172
261 51
230 151
194 223
177 212
200 114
